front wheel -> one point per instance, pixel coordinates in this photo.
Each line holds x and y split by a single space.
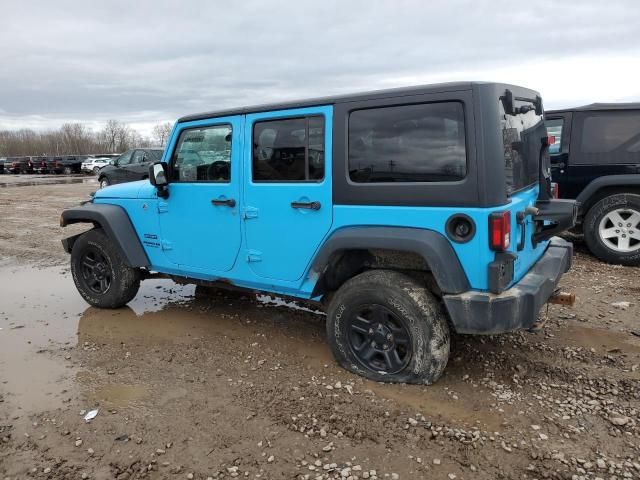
67 171
612 229
104 182
100 273
387 327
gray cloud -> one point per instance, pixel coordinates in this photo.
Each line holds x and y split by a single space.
150 61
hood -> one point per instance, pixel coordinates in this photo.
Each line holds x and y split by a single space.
139 189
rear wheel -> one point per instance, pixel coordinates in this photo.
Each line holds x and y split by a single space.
104 182
67 171
100 273
96 170
612 229
387 327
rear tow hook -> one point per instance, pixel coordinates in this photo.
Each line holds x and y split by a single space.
562 298
558 298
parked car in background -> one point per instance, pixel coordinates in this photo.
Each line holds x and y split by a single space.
130 166
94 164
39 164
2 160
66 164
18 165
596 160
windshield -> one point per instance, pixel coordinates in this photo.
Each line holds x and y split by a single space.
521 134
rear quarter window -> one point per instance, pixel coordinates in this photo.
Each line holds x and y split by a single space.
407 143
609 137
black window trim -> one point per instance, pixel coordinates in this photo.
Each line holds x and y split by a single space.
284 116
414 184
177 144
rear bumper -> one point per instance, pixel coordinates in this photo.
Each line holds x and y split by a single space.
517 307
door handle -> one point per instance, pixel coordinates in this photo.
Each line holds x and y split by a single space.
227 202
315 205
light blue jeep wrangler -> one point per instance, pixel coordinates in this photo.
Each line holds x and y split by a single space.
406 212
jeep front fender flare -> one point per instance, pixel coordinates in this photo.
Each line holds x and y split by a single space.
115 222
603 182
429 244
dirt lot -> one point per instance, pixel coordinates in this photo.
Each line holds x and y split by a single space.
192 384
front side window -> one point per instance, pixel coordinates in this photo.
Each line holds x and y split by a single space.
409 143
203 155
124 159
289 150
138 156
554 129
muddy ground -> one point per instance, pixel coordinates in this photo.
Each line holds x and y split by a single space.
193 384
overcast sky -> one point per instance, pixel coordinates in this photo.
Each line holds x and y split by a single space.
146 62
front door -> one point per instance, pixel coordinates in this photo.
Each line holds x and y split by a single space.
121 164
137 169
288 201
200 221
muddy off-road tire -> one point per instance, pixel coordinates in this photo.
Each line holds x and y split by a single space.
387 327
612 229
100 273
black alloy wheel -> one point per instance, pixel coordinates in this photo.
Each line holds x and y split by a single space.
96 271
379 339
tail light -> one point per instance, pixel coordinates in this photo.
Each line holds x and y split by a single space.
500 230
555 190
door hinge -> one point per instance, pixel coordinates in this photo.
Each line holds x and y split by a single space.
163 207
166 245
254 256
249 212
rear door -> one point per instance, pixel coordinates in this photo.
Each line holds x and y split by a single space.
288 199
200 221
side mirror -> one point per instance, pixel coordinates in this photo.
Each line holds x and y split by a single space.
159 177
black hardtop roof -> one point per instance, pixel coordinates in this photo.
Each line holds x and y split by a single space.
599 107
312 102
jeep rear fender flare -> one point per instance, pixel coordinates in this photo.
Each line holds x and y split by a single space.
604 182
115 221
436 250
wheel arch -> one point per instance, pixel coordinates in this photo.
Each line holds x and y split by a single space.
605 186
351 250
115 222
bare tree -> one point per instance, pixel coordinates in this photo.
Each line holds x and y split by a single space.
161 133
72 139
111 134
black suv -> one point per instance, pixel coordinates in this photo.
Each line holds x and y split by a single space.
130 166
596 160
67 164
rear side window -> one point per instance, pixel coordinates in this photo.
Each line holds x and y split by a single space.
289 150
408 143
610 137
554 129
203 155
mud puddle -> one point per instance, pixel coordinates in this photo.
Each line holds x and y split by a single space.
40 319
43 319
